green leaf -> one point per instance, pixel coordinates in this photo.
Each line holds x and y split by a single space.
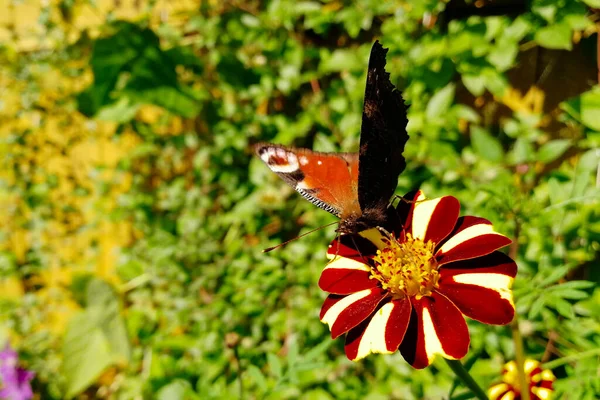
257 377
576 285
440 102
123 110
341 60
86 352
556 36
495 81
552 150
590 109
131 69
275 365
564 308
592 3
94 339
487 146
466 113
554 276
503 55
474 83
578 22
522 151
518 29
176 390
536 307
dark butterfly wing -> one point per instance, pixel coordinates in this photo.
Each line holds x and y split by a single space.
383 136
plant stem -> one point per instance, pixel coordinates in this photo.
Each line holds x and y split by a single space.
466 378
520 358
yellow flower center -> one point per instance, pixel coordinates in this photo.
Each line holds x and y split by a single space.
407 268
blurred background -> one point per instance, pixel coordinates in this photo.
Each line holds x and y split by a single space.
133 212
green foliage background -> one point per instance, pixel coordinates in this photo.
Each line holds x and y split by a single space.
134 212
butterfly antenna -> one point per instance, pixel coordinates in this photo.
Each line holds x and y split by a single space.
297 237
402 198
337 247
362 258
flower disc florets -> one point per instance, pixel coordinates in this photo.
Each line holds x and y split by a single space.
407 268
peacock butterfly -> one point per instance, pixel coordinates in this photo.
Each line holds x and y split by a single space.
356 187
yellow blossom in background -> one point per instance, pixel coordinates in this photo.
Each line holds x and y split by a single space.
540 382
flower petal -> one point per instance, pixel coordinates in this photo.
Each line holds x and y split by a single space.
406 203
480 287
346 276
434 219
381 333
439 328
344 313
501 391
472 237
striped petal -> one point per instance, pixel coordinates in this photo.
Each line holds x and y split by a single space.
472 237
381 333
406 204
346 276
343 313
480 287
434 219
501 391
437 327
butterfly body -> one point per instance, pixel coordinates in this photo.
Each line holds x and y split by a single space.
356 187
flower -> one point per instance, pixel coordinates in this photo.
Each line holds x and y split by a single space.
15 380
409 287
540 382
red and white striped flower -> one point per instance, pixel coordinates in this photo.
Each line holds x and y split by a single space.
409 288
540 382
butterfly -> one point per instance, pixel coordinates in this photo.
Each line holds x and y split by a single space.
356 187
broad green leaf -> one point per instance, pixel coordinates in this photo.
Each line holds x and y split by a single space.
578 21
557 36
474 83
86 352
257 377
522 151
275 365
466 113
503 55
552 150
494 81
341 60
95 339
590 109
440 102
592 3
487 146
590 160
176 390
123 110
317 394
100 295
518 29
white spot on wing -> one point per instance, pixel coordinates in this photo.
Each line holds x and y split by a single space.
289 166
319 162
303 160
